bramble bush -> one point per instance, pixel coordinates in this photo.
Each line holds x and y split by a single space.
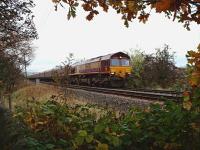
52 125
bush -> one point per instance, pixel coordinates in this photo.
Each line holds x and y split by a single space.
51 125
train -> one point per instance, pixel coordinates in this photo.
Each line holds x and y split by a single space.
109 70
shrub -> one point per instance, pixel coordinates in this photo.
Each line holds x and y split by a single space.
51 125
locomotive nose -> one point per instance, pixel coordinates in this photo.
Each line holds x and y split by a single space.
120 71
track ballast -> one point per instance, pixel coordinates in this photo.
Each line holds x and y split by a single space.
155 95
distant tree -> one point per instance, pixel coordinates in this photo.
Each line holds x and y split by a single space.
185 11
165 70
61 74
137 64
137 60
26 54
16 26
160 69
9 75
147 76
151 70
16 22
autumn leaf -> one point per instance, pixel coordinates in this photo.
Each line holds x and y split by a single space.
102 146
163 5
186 96
56 1
143 17
195 79
195 126
191 53
103 5
198 65
191 61
187 105
90 16
171 146
87 7
131 5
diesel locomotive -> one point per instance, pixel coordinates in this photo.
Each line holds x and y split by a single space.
108 70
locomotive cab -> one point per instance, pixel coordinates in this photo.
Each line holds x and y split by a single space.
120 65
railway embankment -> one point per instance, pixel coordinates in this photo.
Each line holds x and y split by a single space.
108 100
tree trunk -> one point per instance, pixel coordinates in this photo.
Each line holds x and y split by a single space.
1 99
9 102
25 66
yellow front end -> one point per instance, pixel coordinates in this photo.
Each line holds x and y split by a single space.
120 71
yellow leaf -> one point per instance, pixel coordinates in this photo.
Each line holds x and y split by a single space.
187 105
102 146
191 53
56 1
191 61
131 5
195 126
171 146
195 79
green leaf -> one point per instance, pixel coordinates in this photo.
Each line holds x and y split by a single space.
79 140
50 146
89 138
99 128
82 133
116 141
186 98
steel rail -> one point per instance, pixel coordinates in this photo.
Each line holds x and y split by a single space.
149 95
157 95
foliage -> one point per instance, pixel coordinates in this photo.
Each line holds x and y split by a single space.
9 72
16 23
192 95
137 63
52 125
184 11
151 70
61 73
163 67
194 63
25 54
17 30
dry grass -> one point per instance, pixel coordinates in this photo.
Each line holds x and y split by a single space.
41 92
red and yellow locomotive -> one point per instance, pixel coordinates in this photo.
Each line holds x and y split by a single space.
109 70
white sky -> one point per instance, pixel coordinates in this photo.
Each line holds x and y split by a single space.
105 34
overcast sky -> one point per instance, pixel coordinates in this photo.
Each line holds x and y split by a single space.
105 34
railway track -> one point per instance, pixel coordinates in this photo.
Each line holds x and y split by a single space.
155 95
158 91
